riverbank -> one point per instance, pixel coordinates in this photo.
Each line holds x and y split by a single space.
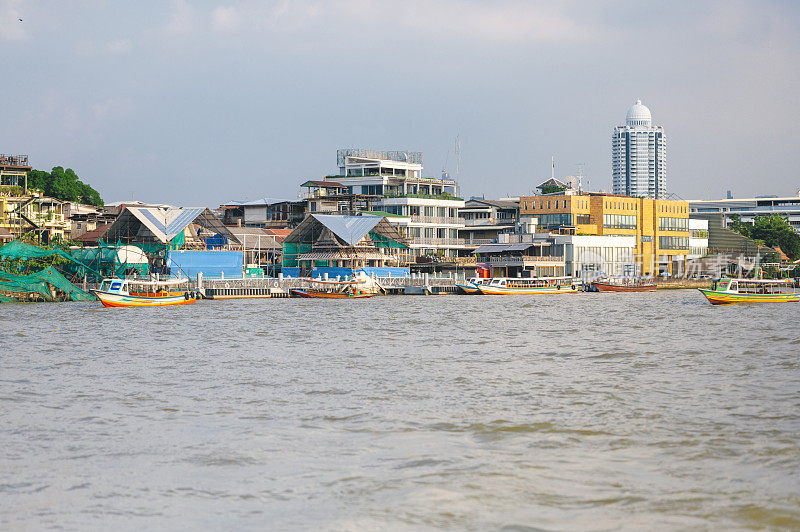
682 284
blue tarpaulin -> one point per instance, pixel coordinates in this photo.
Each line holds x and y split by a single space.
211 263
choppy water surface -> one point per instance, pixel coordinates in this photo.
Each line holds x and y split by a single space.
587 411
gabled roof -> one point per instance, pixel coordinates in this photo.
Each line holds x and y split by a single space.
553 183
162 225
349 229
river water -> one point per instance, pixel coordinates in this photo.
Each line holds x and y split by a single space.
568 412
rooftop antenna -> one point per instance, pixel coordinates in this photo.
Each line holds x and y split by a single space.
580 176
458 164
444 168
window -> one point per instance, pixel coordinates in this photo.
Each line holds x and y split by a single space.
619 221
673 224
673 242
582 219
555 220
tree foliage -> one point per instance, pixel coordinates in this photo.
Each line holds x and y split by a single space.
552 189
771 229
64 185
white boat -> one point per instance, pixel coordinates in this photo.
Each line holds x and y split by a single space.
470 286
140 293
533 285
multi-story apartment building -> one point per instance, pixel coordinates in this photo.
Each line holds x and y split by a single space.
638 156
485 220
426 208
661 227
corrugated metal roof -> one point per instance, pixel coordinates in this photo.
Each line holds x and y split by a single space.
499 248
351 229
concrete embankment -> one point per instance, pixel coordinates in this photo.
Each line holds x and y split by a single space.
682 284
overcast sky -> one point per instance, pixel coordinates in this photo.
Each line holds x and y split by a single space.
204 102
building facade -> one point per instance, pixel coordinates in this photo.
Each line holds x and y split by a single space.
748 208
638 156
661 227
425 208
485 220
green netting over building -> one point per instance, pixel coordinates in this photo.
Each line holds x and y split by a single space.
46 285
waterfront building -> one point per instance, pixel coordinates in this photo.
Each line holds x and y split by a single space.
586 256
336 245
638 156
331 197
485 219
522 257
426 208
263 212
726 242
698 237
21 213
748 208
155 229
661 227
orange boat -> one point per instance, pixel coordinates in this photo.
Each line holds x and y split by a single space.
334 289
624 284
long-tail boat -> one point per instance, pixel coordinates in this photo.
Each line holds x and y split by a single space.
140 293
727 291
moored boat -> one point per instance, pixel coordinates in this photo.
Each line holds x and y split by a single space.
625 284
727 291
357 288
535 285
140 293
470 286
299 292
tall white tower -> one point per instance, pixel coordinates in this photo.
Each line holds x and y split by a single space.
639 156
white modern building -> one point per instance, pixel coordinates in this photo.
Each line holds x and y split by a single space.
638 156
425 208
698 238
748 208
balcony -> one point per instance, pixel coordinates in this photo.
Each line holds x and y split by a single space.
517 260
478 222
431 241
443 196
438 220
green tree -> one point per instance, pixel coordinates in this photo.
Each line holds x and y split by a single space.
773 230
64 185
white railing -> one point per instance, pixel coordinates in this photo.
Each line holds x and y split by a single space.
429 241
440 220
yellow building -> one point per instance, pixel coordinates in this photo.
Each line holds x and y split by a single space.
661 227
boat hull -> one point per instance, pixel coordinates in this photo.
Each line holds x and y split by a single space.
609 287
109 299
296 292
469 288
503 291
726 298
